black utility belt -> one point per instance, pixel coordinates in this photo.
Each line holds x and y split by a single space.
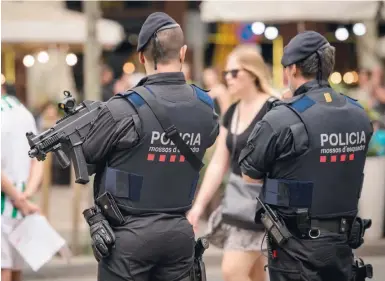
313 228
118 216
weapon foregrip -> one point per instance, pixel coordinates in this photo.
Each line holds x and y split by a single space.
80 165
62 158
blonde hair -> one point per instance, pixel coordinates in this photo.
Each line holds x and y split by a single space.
251 60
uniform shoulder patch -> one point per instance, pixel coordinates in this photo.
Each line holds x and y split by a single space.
302 104
203 96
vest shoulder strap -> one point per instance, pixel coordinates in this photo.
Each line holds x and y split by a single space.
203 96
273 102
352 101
140 95
302 104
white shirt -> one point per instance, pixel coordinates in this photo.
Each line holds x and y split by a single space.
16 121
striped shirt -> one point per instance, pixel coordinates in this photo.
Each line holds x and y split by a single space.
16 120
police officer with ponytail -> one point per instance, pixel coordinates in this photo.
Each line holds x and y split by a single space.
146 147
309 152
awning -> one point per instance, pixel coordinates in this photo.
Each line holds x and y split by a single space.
284 11
40 22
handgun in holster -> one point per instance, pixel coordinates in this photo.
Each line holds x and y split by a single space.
361 271
198 272
110 209
357 232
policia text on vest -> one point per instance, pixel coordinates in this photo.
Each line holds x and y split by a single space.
310 152
342 143
161 143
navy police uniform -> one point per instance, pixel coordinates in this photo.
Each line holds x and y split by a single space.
138 143
310 151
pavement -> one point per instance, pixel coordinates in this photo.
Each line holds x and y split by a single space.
62 217
86 265
214 273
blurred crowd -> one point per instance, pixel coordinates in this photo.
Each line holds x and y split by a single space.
371 94
370 91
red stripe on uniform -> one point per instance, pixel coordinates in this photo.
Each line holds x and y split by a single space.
333 158
172 158
351 156
162 158
322 159
181 158
150 157
343 157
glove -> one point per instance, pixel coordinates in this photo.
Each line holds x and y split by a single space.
102 236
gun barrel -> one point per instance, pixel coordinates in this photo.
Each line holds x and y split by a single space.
33 153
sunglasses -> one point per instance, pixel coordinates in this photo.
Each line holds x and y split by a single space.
233 72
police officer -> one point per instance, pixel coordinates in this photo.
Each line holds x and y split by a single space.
147 145
310 153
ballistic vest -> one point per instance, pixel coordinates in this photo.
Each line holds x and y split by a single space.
327 178
155 176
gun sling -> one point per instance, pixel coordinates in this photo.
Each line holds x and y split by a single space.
169 128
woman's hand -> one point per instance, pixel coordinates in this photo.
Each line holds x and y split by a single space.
194 215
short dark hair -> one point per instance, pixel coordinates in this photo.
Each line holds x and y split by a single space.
309 66
170 41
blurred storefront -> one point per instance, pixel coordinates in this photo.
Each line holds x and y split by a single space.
40 41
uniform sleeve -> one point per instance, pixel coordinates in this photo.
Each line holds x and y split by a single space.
260 152
279 136
113 129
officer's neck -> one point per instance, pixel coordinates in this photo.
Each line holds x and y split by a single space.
302 81
161 68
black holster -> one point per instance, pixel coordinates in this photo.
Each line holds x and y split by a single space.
361 271
110 209
198 272
357 232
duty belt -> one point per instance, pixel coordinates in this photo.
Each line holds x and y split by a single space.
317 227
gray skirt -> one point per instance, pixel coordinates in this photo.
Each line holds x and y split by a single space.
230 237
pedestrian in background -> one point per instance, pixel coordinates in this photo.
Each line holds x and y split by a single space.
20 179
246 77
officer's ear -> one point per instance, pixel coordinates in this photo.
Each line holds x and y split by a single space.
182 53
294 70
141 58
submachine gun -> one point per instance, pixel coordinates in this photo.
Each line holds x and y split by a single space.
65 138
198 273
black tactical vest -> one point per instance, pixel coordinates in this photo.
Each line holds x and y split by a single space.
155 176
328 177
